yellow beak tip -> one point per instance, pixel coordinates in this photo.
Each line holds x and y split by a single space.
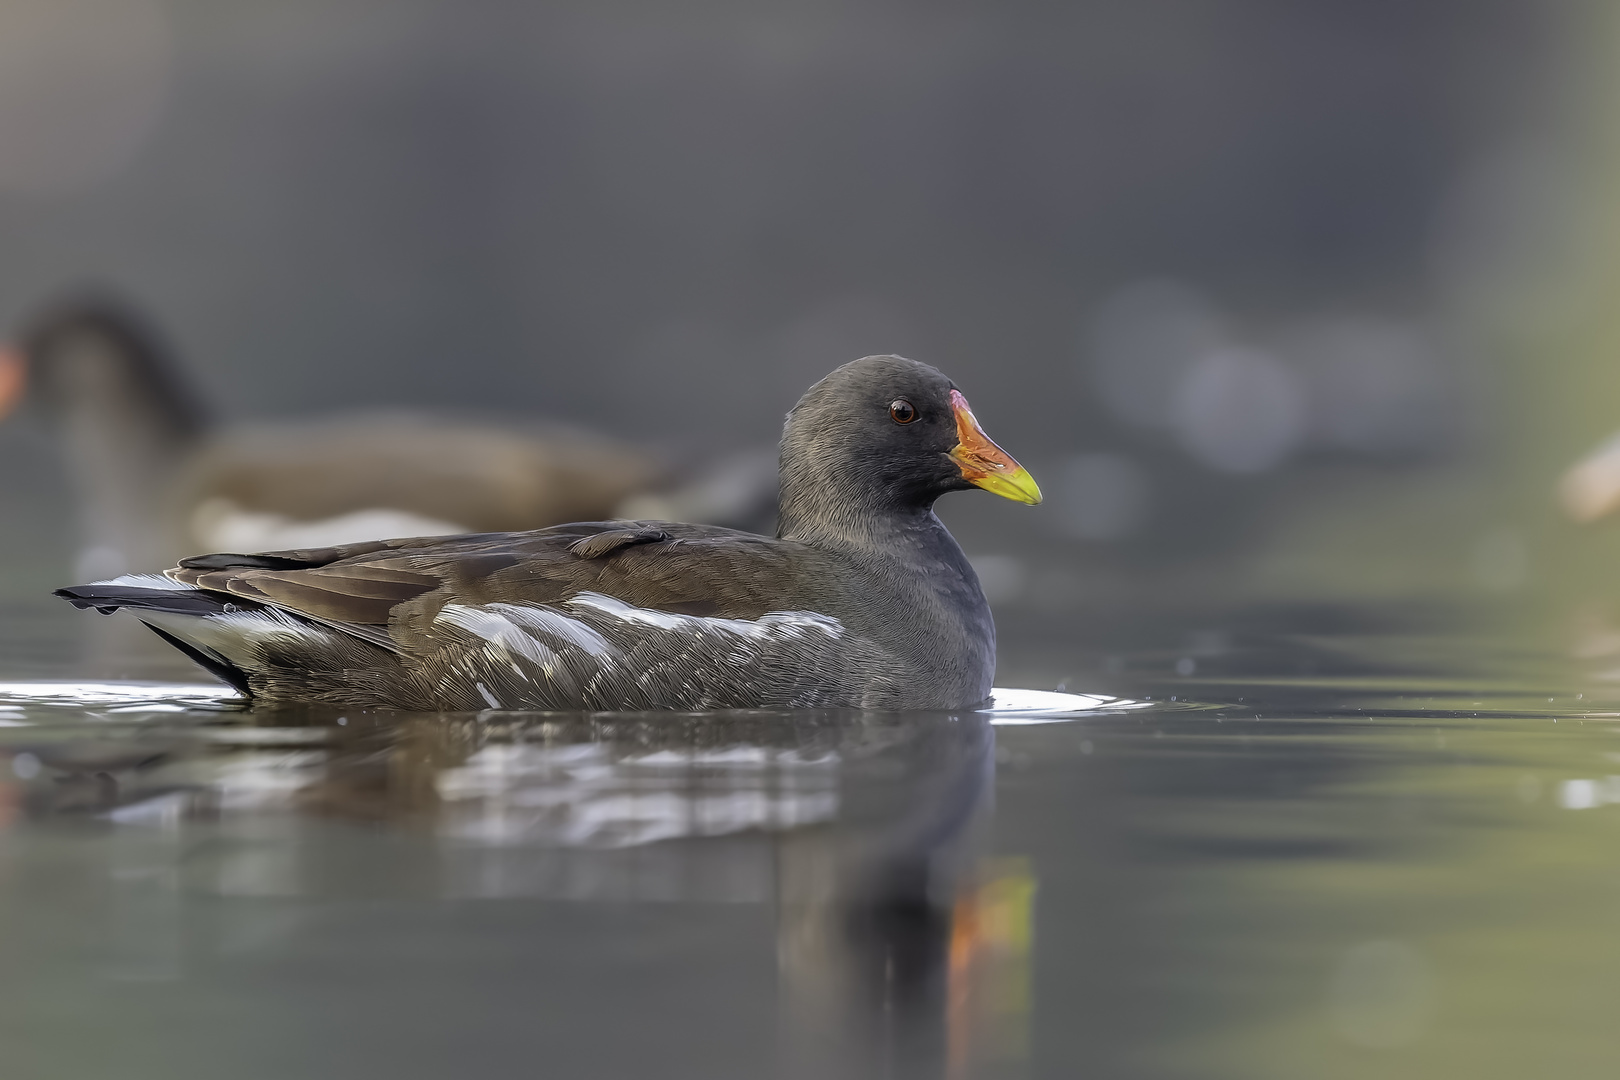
1018 486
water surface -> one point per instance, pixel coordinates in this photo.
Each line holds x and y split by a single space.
1273 844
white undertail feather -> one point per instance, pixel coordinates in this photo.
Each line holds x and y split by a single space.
145 581
237 635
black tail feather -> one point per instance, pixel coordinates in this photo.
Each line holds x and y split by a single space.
109 598
256 562
214 664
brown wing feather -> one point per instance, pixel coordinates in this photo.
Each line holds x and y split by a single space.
348 593
604 544
403 584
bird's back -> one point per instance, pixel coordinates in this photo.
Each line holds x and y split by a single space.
605 615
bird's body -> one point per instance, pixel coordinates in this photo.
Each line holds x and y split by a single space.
862 600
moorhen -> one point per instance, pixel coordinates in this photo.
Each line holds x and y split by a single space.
861 600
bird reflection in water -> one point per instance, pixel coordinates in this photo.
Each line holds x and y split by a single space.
992 929
901 951
880 941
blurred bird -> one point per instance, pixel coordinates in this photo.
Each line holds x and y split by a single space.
158 475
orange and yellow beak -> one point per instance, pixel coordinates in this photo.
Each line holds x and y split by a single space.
985 464
13 378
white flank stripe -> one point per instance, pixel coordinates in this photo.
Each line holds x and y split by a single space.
496 629
557 624
774 624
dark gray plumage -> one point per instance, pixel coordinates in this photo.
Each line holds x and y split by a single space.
863 599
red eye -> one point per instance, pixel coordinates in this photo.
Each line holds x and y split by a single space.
902 411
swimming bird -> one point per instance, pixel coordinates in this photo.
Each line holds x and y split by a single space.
159 474
862 599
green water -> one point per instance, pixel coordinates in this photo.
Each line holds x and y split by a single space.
1358 843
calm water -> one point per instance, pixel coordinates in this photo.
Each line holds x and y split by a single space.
1306 843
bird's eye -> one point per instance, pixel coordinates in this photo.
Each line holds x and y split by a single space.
902 411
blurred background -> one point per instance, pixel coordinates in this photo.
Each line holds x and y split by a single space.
1277 300
1301 312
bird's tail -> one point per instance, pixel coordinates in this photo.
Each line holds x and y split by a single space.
146 592
153 598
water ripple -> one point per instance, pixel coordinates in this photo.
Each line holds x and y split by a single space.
1006 707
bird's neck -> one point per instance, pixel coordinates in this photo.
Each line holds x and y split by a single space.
123 436
916 593
912 543
97 383
848 522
